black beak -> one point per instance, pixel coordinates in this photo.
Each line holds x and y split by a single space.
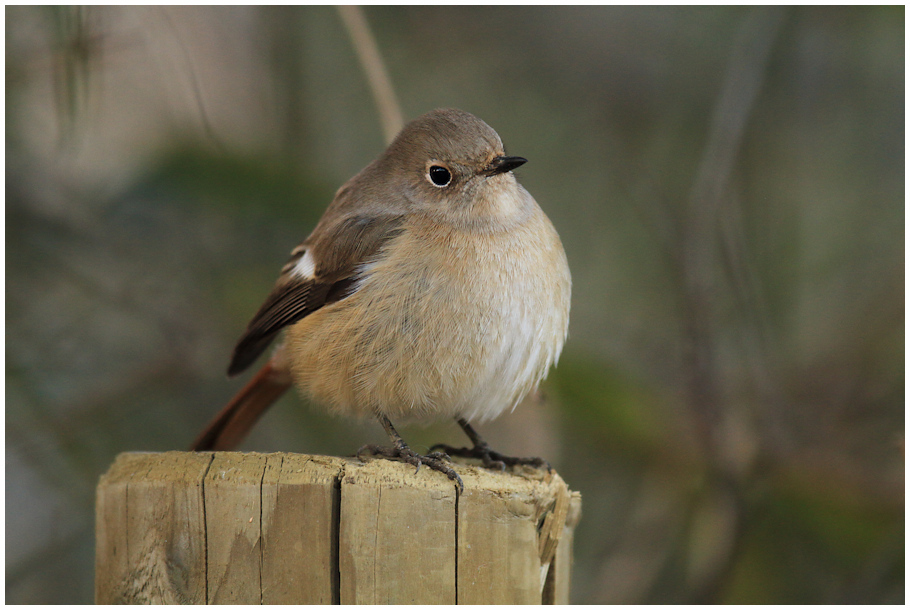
501 165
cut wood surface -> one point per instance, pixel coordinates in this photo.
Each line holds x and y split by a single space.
285 528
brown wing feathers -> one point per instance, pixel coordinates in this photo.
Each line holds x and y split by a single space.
338 246
339 250
290 301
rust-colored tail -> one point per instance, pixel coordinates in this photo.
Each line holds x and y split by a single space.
236 419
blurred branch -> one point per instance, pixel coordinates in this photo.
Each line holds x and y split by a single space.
285 51
742 82
207 127
745 73
368 53
75 49
710 204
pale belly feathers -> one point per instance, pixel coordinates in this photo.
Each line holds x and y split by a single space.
466 329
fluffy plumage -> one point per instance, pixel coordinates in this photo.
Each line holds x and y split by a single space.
415 296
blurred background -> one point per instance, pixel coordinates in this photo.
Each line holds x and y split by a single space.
728 184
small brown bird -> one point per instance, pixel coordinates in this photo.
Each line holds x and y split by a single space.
433 286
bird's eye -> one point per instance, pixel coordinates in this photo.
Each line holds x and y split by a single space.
439 176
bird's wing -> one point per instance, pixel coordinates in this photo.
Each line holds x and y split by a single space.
321 270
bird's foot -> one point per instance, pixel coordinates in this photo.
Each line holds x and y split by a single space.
436 460
490 458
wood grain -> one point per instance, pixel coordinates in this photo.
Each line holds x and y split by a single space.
300 502
397 538
286 528
150 529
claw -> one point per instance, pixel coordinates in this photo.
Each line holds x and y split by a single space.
434 460
482 451
493 459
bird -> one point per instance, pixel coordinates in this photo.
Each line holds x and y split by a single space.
434 286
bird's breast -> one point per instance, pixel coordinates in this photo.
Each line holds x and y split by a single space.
444 322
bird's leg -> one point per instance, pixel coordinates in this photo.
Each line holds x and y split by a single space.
435 460
481 450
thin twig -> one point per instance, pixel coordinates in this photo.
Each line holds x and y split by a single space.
711 204
745 74
383 93
195 87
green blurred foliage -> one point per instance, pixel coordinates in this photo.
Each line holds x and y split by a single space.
609 406
728 183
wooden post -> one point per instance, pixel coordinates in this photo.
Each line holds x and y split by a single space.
303 529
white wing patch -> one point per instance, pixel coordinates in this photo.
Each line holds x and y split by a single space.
305 267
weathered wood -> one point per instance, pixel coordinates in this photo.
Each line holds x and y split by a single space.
500 518
285 528
232 520
300 503
556 588
498 527
397 539
150 529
